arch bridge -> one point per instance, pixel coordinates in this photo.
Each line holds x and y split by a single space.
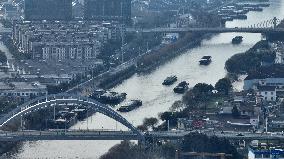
59 99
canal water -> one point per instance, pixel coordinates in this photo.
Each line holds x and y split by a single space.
157 98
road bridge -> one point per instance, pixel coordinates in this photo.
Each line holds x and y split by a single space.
33 135
231 135
207 30
68 135
268 26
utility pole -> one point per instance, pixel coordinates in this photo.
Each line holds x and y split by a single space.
22 122
122 42
65 125
266 125
87 119
147 46
53 112
121 32
274 22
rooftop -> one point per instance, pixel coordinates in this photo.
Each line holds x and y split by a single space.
21 86
266 88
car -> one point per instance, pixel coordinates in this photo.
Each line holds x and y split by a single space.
240 134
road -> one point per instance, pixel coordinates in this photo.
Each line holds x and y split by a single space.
30 135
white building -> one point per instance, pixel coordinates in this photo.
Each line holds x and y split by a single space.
266 93
24 90
279 58
263 153
252 83
226 110
67 50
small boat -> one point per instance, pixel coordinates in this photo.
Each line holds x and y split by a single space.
237 40
205 60
170 80
181 87
258 9
133 104
227 18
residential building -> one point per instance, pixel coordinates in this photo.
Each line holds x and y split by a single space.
116 10
75 40
184 124
65 50
77 9
48 10
266 93
226 110
10 12
276 125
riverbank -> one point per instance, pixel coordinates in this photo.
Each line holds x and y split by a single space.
158 57
115 79
250 60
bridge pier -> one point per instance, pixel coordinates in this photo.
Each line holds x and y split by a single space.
263 36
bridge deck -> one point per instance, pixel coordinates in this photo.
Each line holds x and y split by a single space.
207 30
123 135
68 135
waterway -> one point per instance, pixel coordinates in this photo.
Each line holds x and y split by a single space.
157 98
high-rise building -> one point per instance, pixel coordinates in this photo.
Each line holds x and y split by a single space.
117 10
48 9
